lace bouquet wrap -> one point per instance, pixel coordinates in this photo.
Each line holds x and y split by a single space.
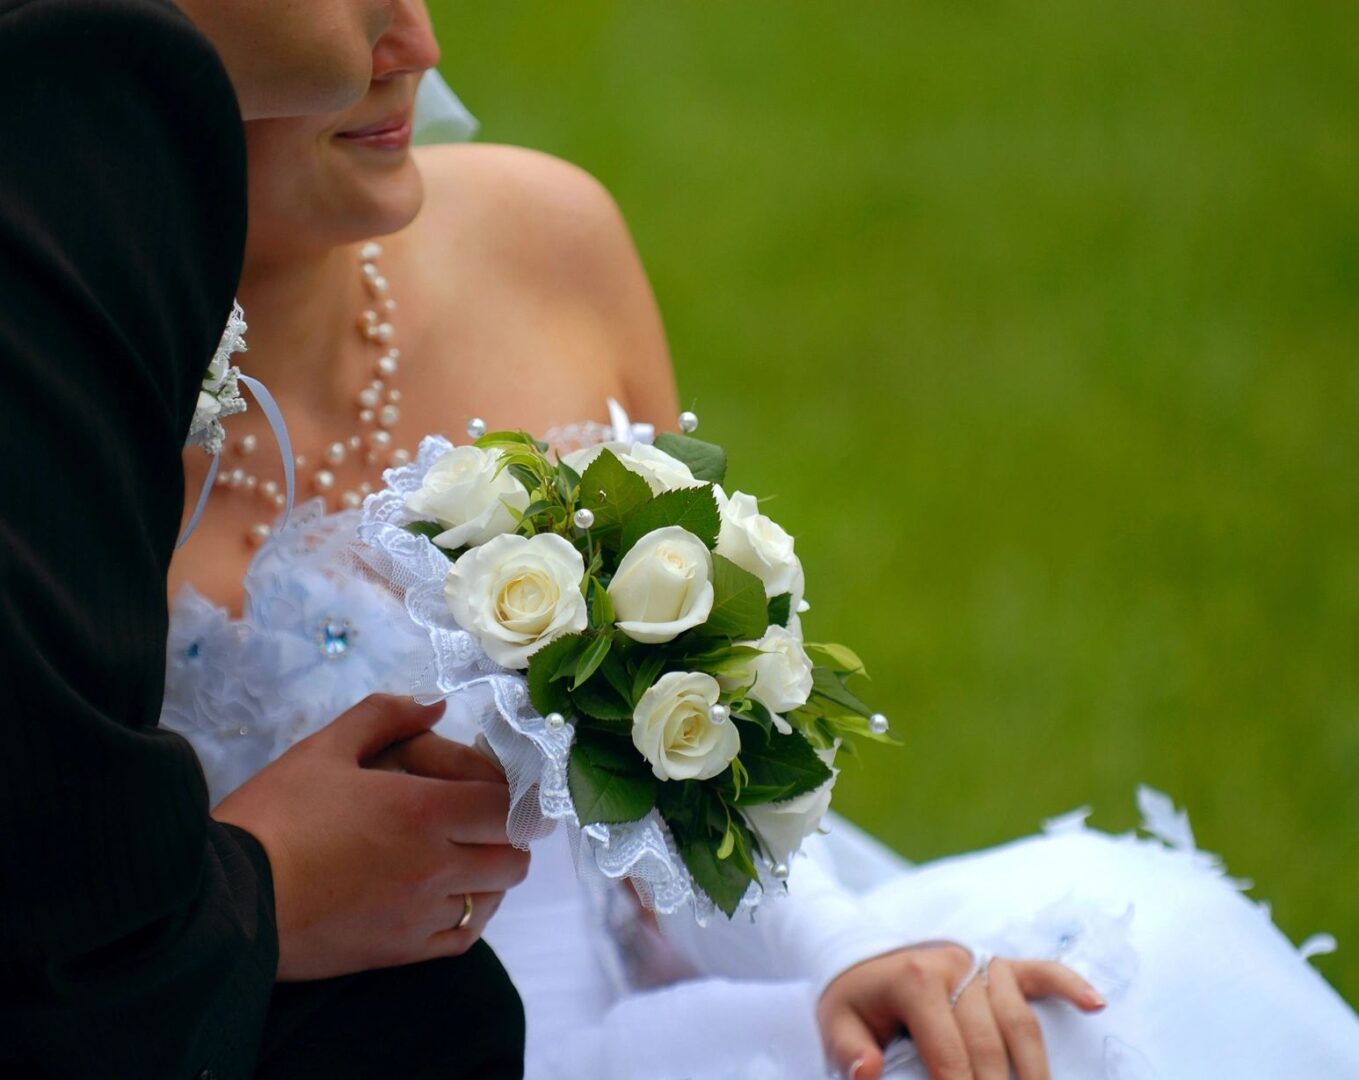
639 632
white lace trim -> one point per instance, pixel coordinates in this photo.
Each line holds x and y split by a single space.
219 396
534 756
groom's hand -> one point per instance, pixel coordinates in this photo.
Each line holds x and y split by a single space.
371 866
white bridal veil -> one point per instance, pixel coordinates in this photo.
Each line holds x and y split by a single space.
439 116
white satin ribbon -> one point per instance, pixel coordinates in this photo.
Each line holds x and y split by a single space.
274 415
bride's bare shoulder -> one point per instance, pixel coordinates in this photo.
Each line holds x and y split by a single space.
524 228
524 206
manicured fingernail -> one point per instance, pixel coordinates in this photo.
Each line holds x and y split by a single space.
1095 1000
854 1069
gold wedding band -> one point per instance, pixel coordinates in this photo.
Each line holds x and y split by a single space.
466 912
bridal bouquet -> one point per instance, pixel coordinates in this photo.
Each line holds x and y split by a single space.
678 719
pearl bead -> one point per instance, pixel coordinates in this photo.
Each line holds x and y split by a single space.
389 306
389 415
369 398
380 440
584 518
324 480
258 534
476 427
371 317
555 720
280 500
877 724
393 396
355 443
223 479
365 488
236 478
781 871
370 271
301 461
351 500
365 416
377 285
688 422
250 482
248 444
719 714
387 365
383 333
335 453
372 457
400 458
269 489
370 251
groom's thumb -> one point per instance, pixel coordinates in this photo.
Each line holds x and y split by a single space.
377 722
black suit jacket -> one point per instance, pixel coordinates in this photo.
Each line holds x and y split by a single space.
136 935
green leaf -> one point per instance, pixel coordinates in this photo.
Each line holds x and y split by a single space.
427 529
525 476
781 767
725 881
545 690
647 674
598 699
609 781
692 509
739 608
780 609
506 440
601 606
841 660
707 461
858 727
611 491
728 844
616 673
591 658
752 710
829 688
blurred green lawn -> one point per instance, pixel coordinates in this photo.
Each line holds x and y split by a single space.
1040 319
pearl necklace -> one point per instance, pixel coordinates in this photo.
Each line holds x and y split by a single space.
378 411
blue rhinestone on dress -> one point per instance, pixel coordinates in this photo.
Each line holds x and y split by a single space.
336 637
194 650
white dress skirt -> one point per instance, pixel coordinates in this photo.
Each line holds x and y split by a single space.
1200 982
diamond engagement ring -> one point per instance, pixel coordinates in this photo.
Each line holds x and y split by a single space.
466 912
981 962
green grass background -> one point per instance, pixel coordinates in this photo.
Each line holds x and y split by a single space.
1040 320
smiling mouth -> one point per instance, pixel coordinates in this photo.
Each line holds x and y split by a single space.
389 133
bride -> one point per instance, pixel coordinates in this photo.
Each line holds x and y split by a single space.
506 287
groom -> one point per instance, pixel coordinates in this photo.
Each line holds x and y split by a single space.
139 937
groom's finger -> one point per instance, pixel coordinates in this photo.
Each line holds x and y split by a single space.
438 758
375 723
463 811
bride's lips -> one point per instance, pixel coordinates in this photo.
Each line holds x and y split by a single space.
390 133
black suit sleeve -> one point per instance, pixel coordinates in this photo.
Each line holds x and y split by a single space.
137 936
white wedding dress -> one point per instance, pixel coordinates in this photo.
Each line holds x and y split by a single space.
1200 982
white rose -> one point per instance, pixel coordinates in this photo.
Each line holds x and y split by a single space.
673 729
661 471
517 593
782 826
663 586
755 543
462 493
781 674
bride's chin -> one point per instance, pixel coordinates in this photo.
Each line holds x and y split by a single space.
382 208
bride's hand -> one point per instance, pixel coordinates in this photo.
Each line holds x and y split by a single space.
990 1030
371 865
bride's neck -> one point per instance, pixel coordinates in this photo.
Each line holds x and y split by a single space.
301 312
